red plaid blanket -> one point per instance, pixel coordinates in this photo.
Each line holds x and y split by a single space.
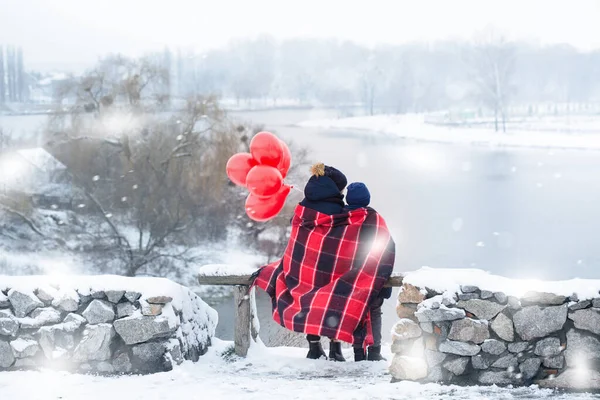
333 267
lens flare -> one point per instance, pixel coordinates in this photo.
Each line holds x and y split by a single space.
13 169
57 267
425 158
378 246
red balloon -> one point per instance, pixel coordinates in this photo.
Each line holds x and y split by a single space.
238 167
261 209
264 181
286 160
266 149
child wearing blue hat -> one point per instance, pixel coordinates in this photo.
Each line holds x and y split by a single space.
358 196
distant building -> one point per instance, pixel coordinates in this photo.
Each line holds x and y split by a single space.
40 176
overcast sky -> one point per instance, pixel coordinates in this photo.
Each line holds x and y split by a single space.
74 33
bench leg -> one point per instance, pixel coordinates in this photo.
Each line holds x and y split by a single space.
243 318
254 323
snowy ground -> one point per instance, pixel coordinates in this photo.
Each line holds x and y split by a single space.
414 127
450 280
267 373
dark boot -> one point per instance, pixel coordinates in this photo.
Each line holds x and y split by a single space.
359 354
315 350
335 351
374 354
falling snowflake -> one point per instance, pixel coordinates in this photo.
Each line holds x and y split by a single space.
457 224
81 206
579 262
539 184
480 244
124 199
179 138
558 175
540 164
108 215
134 187
361 160
496 233
54 206
513 169
96 178
332 321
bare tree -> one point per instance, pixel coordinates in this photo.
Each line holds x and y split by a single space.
156 181
167 66
10 70
6 140
118 82
2 77
158 187
253 68
491 62
21 85
371 79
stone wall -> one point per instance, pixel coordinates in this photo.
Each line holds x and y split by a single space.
101 324
472 335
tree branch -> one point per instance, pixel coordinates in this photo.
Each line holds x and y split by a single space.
29 222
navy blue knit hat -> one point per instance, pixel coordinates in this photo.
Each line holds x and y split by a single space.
337 176
358 195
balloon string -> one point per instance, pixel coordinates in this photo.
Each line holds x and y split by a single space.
296 189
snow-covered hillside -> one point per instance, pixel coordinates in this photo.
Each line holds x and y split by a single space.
542 133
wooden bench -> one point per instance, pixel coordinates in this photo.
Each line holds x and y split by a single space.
246 318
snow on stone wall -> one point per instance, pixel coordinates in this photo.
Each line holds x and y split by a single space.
462 327
101 324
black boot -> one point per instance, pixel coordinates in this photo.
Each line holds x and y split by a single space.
315 350
359 354
374 354
335 351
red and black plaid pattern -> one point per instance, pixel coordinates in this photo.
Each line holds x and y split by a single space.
333 267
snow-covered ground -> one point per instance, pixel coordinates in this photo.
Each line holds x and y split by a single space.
451 279
267 373
414 127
